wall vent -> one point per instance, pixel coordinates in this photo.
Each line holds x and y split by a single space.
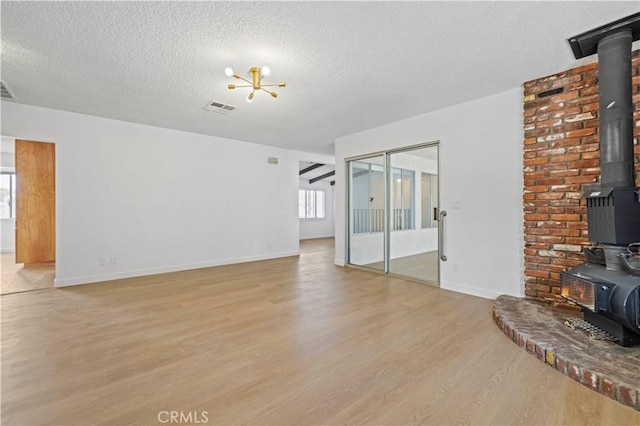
4 92
219 107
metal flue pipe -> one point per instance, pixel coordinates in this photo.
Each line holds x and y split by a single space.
616 110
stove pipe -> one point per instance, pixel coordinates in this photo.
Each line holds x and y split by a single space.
616 110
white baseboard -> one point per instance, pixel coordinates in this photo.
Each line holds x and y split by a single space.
315 237
65 282
473 291
339 262
7 250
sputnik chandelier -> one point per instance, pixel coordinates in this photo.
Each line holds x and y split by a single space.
256 74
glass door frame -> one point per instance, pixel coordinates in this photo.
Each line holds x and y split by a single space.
386 237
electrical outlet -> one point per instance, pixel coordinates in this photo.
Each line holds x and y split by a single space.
112 261
102 261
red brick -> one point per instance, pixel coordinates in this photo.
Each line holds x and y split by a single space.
536 161
590 107
565 188
580 179
583 100
590 379
536 216
566 142
584 148
567 127
565 96
583 69
550 181
561 365
540 132
580 133
562 173
536 188
563 82
538 287
574 372
583 164
608 388
548 123
567 262
550 196
588 91
627 396
565 158
539 274
585 82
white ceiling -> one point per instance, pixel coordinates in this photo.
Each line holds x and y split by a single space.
349 66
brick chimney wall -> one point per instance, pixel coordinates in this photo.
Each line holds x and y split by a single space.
561 155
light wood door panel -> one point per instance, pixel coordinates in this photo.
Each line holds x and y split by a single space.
35 202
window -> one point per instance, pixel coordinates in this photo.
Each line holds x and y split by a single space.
367 192
311 204
429 200
402 193
7 195
367 197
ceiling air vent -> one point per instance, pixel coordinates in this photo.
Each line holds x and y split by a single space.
219 107
4 92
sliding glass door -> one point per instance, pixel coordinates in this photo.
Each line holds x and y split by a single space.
366 214
413 246
393 212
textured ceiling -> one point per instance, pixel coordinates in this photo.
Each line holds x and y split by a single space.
349 66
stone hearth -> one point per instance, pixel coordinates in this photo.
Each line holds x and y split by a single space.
601 365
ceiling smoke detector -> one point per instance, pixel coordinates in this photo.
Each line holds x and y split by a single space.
219 107
4 92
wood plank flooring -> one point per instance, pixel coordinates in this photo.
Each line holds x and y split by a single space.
16 277
422 266
286 341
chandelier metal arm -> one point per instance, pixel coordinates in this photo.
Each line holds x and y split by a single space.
243 79
281 84
255 83
274 94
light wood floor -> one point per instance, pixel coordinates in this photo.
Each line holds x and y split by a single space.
15 277
287 341
423 266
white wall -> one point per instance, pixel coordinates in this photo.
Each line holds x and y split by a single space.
7 226
481 188
160 200
319 228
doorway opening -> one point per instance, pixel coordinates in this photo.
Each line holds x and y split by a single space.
27 208
316 223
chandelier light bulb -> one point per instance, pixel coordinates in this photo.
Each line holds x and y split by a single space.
228 72
250 97
265 71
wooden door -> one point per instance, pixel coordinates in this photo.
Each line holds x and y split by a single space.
35 202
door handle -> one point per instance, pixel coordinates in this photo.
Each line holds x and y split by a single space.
443 256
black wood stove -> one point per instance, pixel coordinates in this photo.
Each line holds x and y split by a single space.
607 285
